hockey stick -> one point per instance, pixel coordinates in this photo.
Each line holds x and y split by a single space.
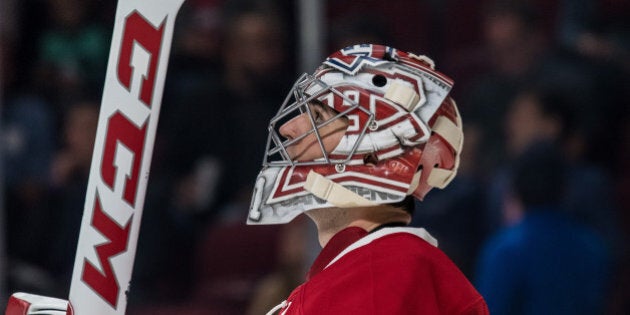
121 160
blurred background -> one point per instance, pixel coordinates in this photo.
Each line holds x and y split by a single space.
525 71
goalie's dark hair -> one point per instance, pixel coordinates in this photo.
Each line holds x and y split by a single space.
408 204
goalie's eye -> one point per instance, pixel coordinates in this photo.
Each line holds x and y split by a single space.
317 117
320 112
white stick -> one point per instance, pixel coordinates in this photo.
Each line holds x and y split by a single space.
122 155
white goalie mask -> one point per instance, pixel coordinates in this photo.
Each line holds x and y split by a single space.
401 136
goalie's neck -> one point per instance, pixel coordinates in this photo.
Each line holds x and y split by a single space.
330 221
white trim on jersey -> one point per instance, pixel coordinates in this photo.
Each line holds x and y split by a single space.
419 232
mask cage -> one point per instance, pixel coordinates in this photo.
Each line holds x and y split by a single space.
308 89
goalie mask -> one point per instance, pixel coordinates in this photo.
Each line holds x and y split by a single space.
371 126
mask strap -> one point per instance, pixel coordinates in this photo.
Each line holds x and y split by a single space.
334 193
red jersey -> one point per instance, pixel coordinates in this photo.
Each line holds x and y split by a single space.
390 271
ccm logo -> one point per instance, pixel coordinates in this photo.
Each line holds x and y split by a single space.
123 151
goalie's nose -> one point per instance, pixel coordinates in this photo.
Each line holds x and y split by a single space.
295 127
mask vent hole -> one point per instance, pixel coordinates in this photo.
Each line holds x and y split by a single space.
370 159
379 80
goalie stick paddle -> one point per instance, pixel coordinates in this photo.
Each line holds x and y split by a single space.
121 160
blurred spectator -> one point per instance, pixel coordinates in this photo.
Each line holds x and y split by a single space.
79 131
586 27
72 53
289 270
574 19
69 177
517 51
210 140
514 48
27 143
200 30
163 267
213 133
546 263
598 32
254 83
514 35
195 56
540 115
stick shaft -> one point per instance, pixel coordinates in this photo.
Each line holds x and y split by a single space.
122 155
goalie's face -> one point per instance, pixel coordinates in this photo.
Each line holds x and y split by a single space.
308 147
